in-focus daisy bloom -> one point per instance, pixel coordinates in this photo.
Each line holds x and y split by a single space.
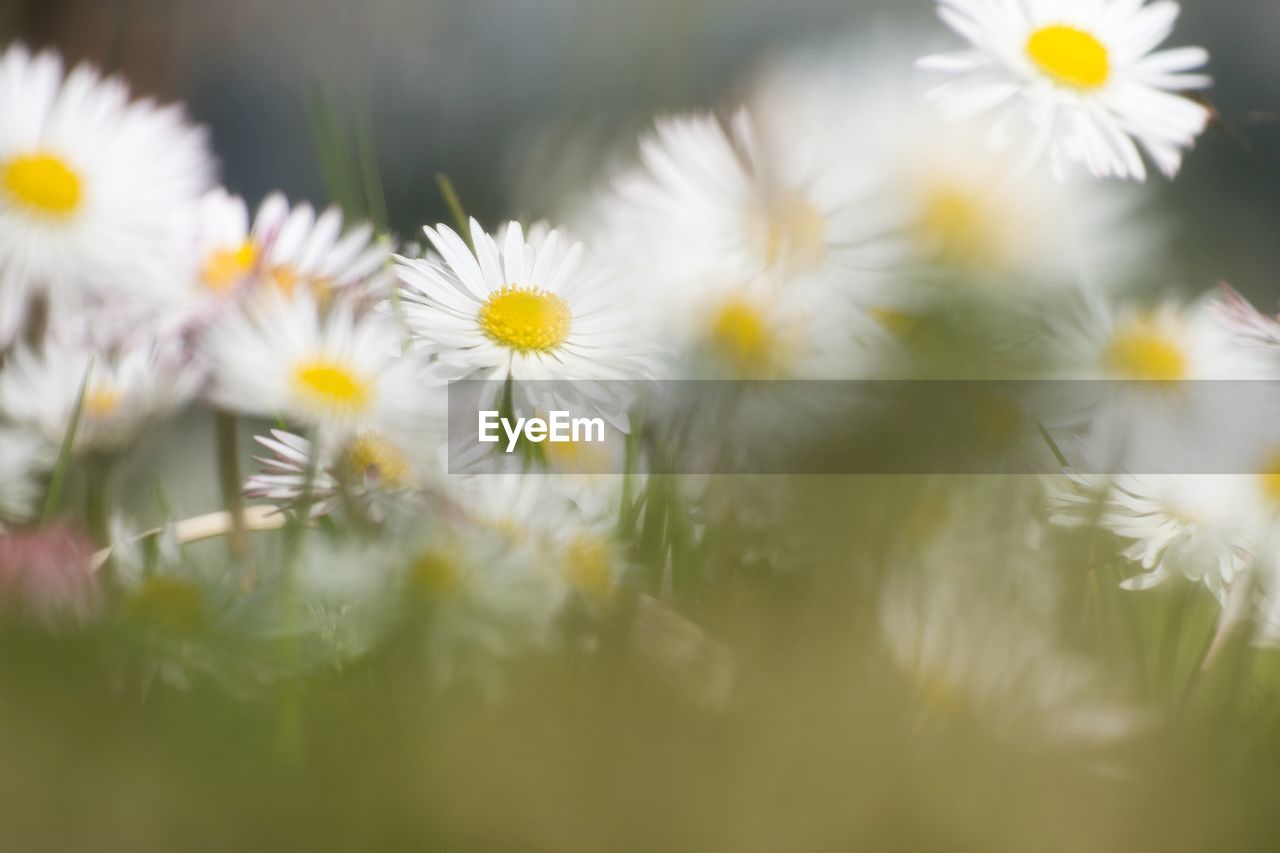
97 193
1077 78
335 371
530 309
124 391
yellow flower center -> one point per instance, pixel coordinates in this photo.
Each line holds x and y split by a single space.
100 403
740 334
1144 352
435 573
588 568
1070 56
332 385
372 457
225 268
526 319
954 223
790 231
171 604
899 323
43 183
1270 478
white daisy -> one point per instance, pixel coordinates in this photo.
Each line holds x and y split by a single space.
534 310
967 216
1205 528
297 247
24 458
97 193
337 371
526 311
1154 404
1079 77
975 639
367 473
125 390
759 198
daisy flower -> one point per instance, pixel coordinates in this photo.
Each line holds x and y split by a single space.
753 199
499 572
337 371
367 472
125 390
970 655
530 310
965 216
97 193
973 631
24 458
297 247
1205 528
1080 77
1151 400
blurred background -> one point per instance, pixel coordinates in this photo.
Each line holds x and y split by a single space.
518 101
521 102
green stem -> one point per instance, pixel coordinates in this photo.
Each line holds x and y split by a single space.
456 210
229 478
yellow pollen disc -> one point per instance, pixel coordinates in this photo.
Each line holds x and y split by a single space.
284 278
173 605
101 403
372 457
332 385
526 319
955 223
740 333
1070 56
42 183
1144 352
225 268
1270 478
938 694
790 231
435 573
588 569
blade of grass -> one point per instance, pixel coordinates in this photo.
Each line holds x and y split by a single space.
456 210
53 496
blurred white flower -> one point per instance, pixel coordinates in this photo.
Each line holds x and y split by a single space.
1149 401
493 576
1203 527
976 640
125 390
97 194
964 214
299 248
368 472
761 197
1077 79
336 371
24 458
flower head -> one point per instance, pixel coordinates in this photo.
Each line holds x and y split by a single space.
1078 79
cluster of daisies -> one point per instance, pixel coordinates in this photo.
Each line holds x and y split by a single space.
809 231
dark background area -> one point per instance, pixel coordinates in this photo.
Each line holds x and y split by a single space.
518 100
